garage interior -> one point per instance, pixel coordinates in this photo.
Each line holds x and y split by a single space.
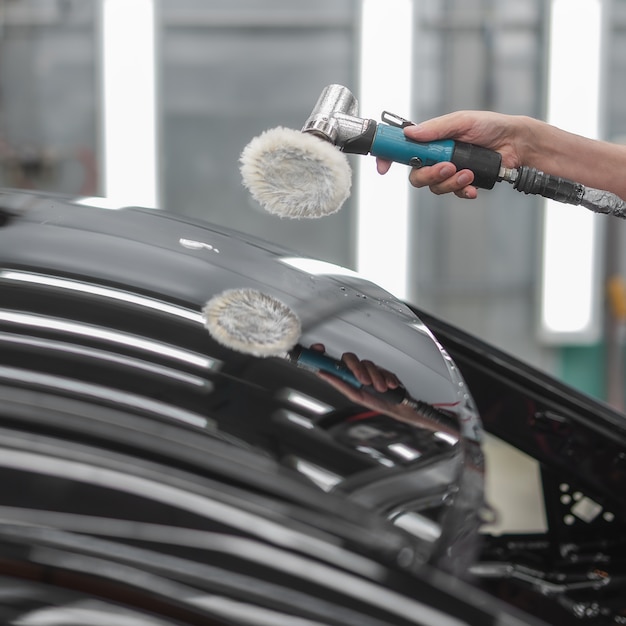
223 71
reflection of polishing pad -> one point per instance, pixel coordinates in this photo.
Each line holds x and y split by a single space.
294 174
252 322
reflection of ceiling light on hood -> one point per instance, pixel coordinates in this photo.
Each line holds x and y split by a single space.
104 292
102 203
448 438
404 451
319 268
106 356
321 477
306 402
109 336
422 328
300 420
375 454
114 396
419 526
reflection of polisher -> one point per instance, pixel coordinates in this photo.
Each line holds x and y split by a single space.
294 174
255 323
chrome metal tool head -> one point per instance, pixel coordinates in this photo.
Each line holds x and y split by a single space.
334 116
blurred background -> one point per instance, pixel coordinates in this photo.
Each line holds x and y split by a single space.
154 100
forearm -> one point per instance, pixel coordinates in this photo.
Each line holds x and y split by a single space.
596 164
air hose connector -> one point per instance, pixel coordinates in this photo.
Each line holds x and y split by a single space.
532 181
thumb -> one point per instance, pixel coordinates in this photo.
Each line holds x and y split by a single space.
447 126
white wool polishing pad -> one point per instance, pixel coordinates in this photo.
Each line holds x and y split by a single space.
294 174
252 322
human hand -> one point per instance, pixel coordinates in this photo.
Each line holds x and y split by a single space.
365 371
497 131
374 377
377 383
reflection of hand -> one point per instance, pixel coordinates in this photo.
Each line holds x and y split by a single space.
373 376
365 371
370 375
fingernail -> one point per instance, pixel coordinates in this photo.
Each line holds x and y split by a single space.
414 128
447 170
465 178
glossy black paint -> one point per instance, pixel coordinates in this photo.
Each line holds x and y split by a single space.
144 463
141 458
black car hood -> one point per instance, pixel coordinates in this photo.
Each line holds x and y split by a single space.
107 305
186 262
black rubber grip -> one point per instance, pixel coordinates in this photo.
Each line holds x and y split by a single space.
483 162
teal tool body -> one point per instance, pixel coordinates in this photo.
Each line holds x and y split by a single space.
390 143
335 119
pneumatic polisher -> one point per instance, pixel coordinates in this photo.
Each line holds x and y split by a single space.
306 173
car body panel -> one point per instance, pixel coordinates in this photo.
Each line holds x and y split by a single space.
136 447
